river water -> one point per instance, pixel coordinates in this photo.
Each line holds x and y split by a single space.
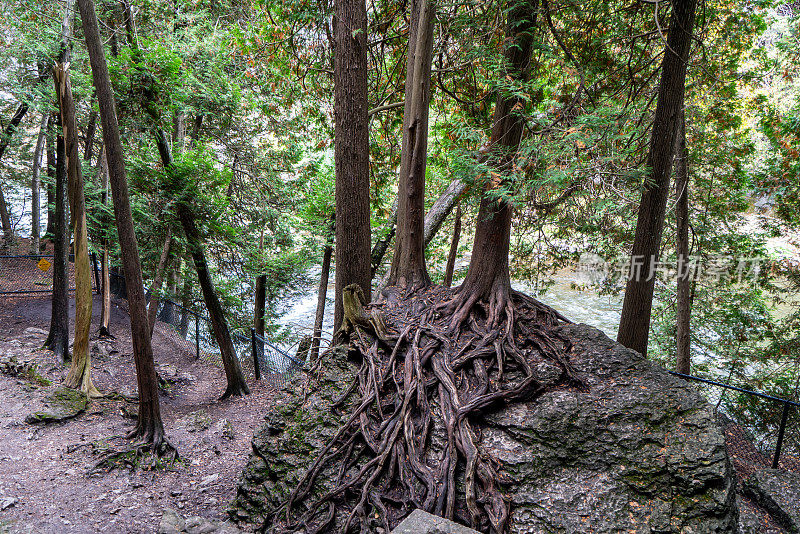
579 306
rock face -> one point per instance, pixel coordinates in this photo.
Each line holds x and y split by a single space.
638 451
778 492
419 522
173 523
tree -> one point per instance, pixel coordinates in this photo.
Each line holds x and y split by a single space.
5 219
149 426
451 256
80 371
408 263
683 356
351 151
488 276
158 279
634 326
181 187
35 183
105 271
58 337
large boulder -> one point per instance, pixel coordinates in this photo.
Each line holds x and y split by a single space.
777 492
637 451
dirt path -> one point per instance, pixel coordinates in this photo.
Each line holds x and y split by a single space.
44 480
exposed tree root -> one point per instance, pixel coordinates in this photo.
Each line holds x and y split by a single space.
237 390
427 368
148 453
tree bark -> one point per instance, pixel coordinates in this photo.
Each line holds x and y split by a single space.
91 128
58 337
35 184
634 326
50 231
5 218
451 257
683 356
351 151
408 263
316 338
233 370
261 303
488 276
105 272
178 132
167 314
149 425
158 280
80 372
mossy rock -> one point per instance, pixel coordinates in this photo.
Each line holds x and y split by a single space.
63 403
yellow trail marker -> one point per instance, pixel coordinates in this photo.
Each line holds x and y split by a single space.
43 264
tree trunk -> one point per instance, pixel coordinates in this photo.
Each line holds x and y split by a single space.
261 303
488 277
316 338
105 272
451 257
442 208
683 357
351 151
167 314
149 425
91 128
58 337
186 302
158 279
50 231
35 185
5 217
178 132
634 326
433 221
233 370
80 372
408 263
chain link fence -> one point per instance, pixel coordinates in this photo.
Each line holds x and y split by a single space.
31 274
259 359
761 431
189 330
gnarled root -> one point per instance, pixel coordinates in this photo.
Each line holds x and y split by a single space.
428 368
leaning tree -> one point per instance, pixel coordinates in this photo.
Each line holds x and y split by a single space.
149 426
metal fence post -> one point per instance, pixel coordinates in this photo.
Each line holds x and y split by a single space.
256 363
197 333
781 431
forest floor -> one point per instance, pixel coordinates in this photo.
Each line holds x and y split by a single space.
47 483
